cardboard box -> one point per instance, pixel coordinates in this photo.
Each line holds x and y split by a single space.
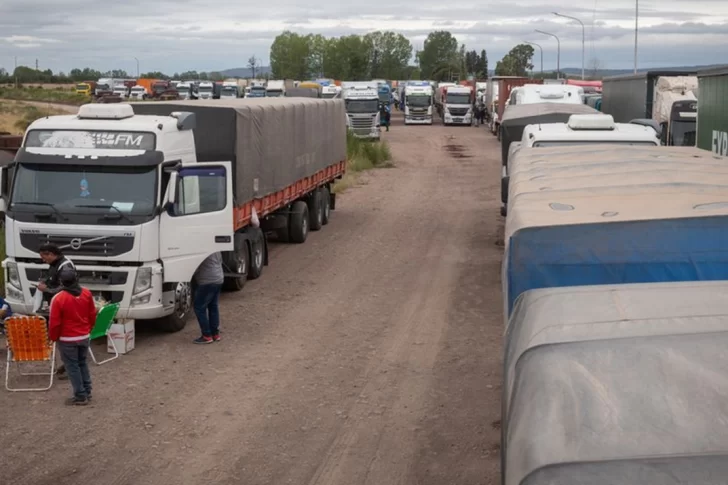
122 334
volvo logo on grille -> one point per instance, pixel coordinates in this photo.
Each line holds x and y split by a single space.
76 244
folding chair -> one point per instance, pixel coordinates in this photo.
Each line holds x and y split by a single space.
104 319
27 341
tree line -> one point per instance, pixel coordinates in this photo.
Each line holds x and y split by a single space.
25 74
377 55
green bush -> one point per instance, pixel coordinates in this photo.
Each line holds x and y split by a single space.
365 154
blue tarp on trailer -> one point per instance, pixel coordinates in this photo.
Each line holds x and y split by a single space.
644 230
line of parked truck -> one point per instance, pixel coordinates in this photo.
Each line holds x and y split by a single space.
613 279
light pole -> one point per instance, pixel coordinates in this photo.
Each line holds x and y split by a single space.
583 38
539 48
137 61
558 51
636 28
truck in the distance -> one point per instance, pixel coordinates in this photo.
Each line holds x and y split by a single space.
712 133
159 187
457 105
362 109
275 88
418 103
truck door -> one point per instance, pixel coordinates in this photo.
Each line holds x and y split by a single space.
198 218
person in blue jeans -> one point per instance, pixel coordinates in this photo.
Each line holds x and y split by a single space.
208 279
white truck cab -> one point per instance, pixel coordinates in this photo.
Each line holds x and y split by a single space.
138 93
418 104
206 90
330 91
121 90
275 89
362 110
125 198
581 129
229 90
457 105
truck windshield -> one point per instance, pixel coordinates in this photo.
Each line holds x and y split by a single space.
563 143
275 93
458 98
328 95
84 194
81 87
204 89
419 101
362 105
682 133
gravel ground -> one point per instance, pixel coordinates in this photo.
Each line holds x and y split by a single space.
371 354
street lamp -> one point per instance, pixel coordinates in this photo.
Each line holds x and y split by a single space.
137 61
539 48
583 38
636 27
558 51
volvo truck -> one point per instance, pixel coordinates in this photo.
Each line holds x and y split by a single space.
138 195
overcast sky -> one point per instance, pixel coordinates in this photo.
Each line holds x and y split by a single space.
179 35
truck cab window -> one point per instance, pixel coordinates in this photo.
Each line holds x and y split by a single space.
200 191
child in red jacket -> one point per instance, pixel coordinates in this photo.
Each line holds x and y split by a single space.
72 316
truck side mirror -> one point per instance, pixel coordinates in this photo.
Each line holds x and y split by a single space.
171 191
663 132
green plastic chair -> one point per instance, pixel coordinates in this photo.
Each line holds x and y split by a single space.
104 319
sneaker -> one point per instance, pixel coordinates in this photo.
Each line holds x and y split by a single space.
76 401
203 340
216 337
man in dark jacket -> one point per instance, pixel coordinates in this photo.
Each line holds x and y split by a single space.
53 256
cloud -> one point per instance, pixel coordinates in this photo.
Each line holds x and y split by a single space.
178 35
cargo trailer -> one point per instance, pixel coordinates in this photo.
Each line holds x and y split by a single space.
166 185
713 110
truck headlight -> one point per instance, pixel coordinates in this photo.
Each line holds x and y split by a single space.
143 280
13 275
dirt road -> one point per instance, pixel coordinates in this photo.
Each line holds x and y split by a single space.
369 355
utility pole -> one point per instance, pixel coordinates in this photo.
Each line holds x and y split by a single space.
15 72
583 38
137 63
636 28
558 52
36 64
540 49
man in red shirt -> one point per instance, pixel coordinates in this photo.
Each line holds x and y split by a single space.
72 316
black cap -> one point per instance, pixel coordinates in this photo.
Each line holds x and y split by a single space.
67 277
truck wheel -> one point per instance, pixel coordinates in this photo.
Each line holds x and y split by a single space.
504 189
257 256
315 211
237 262
326 205
182 310
298 222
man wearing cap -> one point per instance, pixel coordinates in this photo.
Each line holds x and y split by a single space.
73 315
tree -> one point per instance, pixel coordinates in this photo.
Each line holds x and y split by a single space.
439 55
481 67
517 62
252 65
289 56
594 68
153 75
390 54
348 58
317 55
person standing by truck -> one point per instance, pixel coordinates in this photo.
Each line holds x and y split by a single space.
208 279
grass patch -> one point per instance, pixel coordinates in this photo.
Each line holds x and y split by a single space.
15 117
362 155
38 93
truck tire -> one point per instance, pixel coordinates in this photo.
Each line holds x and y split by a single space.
182 310
237 262
315 211
504 189
298 222
257 256
326 205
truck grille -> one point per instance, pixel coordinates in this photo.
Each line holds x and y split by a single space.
458 111
80 245
85 277
362 125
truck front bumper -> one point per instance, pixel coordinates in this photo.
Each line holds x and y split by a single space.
139 297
